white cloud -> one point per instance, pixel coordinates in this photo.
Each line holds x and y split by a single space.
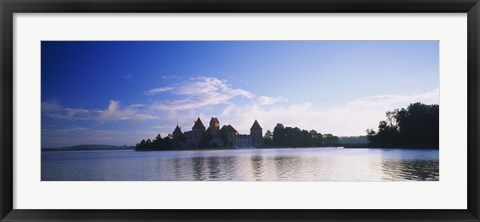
207 85
137 105
158 90
266 100
351 119
201 92
383 100
54 110
113 112
204 91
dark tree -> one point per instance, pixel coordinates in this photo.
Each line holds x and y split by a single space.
157 142
415 126
330 140
167 143
317 138
307 139
268 139
296 137
279 135
148 144
140 146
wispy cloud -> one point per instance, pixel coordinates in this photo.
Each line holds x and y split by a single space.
266 100
113 112
158 90
383 100
200 92
54 110
352 118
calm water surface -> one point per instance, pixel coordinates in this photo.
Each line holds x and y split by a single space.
300 164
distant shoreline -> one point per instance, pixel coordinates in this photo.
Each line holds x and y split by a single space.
87 148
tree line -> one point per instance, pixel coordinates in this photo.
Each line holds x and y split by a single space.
280 137
417 126
158 143
295 137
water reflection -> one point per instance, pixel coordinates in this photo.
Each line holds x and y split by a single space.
287 167
410 170
257 167
198 168
243 165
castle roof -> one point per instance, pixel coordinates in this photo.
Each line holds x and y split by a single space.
214 120
256 126
177 130
229 128
198 125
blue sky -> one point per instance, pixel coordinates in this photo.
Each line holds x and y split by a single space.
105 92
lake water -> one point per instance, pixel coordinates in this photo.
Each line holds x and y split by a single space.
299 164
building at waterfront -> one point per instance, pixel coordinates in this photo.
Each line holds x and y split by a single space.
256 134
244 141
214 136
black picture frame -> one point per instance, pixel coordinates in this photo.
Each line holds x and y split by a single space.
9 7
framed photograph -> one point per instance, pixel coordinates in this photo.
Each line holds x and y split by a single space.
251 110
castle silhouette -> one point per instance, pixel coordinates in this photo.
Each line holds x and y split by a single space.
214 136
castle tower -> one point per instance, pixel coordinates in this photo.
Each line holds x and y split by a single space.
214 126
178 137
177 133
198 129
256 134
